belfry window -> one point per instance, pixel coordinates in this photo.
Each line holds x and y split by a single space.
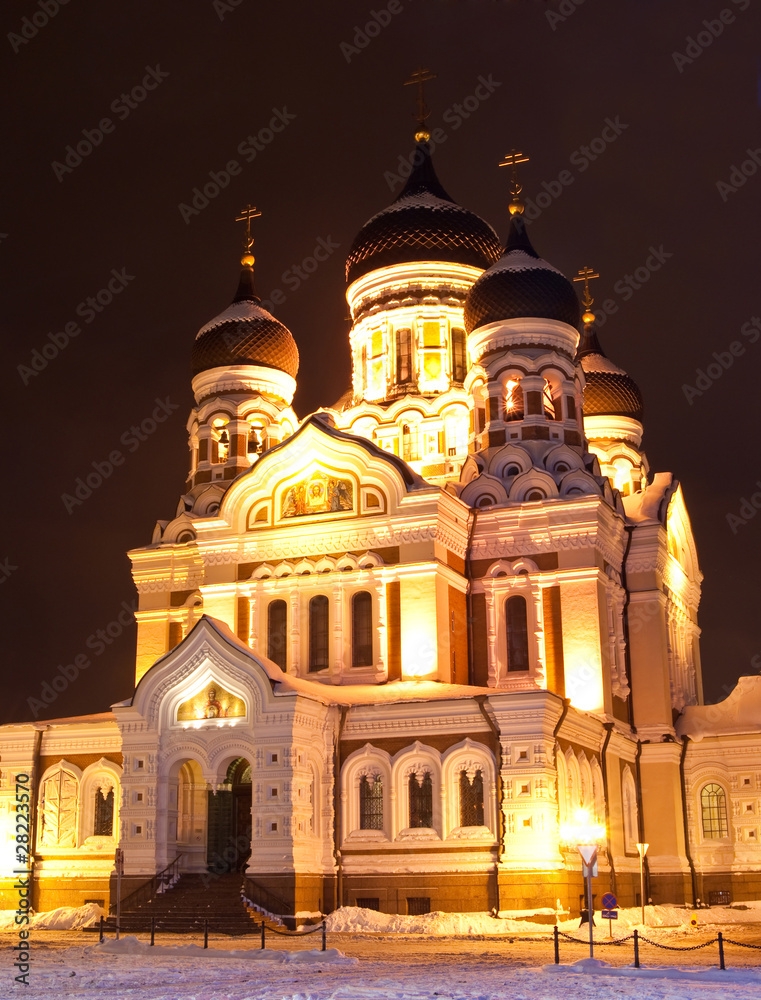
517 633
103 825
471 799
404 355
713 807
277 633
459 355
318 632
410 443
371 803
256 440
362 629
421 800
513 401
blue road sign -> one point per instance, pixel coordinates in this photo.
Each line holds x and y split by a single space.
609 914
609 901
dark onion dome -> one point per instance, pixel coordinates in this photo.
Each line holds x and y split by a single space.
245 334
609 391
520 284
423 224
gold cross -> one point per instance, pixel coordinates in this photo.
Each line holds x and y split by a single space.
586 274
421 77
246 215
512 160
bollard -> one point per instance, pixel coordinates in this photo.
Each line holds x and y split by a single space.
262 934
556 936
153 931
636 949
206 933
323 936
101 928
721 951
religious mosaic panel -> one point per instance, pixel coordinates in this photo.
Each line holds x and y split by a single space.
211 703
319 494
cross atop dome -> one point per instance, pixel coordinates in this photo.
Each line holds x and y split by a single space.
512 160
420 77
247 214
586 274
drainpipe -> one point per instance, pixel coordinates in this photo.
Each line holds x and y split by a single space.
604 761
34 781
555 731
337 833
627 653
469 594
693 876
499 788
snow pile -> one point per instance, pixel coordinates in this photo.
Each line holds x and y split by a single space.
130 945
65 918
596 967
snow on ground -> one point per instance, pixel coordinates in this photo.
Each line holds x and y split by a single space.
131 945
64 918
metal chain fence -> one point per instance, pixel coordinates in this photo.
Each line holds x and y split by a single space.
640 938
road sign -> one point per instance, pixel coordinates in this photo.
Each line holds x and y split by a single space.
609 914
609 901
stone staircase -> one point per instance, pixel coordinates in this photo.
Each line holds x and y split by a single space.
191 901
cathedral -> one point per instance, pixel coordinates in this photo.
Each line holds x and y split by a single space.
387 653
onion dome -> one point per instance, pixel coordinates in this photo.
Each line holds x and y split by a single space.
245 334
423 224
520 284
609 391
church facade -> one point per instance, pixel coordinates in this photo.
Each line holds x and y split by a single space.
387 652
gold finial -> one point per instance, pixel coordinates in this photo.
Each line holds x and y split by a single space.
512 160
421 77
586 274
247 214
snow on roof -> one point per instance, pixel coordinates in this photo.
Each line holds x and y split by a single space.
72 720
647 505
740 712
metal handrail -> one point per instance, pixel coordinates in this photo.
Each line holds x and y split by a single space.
150 888
273 904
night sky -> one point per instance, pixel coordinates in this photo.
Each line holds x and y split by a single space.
318 88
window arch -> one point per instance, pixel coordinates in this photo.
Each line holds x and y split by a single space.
516 623
630 813
513 401
459 355
362 629
403 355
319 613
471 798
713 809
421 799
277 633
58 809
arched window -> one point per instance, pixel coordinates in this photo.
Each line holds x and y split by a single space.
362 629
629 806
277 633
371 802
517 633
459 355
713 807
318 632
103 824
410 443
471 799
404 355
421 800
59 810
513 401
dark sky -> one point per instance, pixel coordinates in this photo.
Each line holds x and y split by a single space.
555 72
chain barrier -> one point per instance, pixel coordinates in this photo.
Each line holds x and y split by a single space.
570 937
315 930
742 944
671 947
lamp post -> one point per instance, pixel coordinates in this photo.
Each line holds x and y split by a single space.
642 851
585 835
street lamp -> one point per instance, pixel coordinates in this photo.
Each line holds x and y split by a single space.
642 851
585 835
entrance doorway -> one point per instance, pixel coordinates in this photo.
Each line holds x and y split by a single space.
229 820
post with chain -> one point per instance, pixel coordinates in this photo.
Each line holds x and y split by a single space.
721 951
324 943
556 936
101 928
636 948
262 933
206 933
153 931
